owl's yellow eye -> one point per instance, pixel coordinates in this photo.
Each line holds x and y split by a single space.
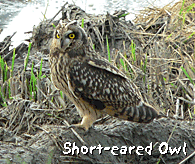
71 36
58 36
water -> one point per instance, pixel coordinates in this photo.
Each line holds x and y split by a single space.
22 15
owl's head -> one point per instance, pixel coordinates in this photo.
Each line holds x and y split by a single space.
69 36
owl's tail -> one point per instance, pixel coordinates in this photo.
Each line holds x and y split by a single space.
142 113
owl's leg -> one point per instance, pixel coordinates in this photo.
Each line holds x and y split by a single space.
86 122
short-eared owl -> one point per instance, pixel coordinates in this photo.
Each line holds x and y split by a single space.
94 85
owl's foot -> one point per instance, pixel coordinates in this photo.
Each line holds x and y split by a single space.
78 126
84 130
85 124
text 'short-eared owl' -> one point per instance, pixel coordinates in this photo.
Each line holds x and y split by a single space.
93 84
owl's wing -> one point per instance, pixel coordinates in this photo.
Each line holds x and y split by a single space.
99 82
103 64
105 88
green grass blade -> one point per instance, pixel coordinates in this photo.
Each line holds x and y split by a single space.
53 25
133 50
33 81
82 24
4 104
187 75
108 49
26 61
122 62
190 8
6 69
174 85
2 68
168 36
61 94
40 69
9 89
182 7
187 10
145 64
123 15
13 60
2 63
191 35
192 69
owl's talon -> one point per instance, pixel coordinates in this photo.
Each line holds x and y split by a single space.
80 126
86 131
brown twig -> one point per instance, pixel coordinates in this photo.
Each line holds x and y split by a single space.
57 14
185 160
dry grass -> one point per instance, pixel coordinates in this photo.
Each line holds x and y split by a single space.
171 56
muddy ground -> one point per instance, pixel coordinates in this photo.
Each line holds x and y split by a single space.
34 117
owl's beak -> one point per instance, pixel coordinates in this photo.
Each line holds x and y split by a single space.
65 42
62 43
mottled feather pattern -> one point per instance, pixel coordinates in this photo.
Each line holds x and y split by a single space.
100 84
109 92
92 83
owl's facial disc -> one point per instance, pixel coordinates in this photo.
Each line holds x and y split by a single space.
69 37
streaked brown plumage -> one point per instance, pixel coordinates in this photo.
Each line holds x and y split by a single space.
93 84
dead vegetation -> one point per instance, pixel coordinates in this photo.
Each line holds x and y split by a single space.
171 54
157 52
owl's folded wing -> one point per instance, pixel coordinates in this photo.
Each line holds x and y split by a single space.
105 88
98 81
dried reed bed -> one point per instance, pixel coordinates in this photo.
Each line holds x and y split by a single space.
167 39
